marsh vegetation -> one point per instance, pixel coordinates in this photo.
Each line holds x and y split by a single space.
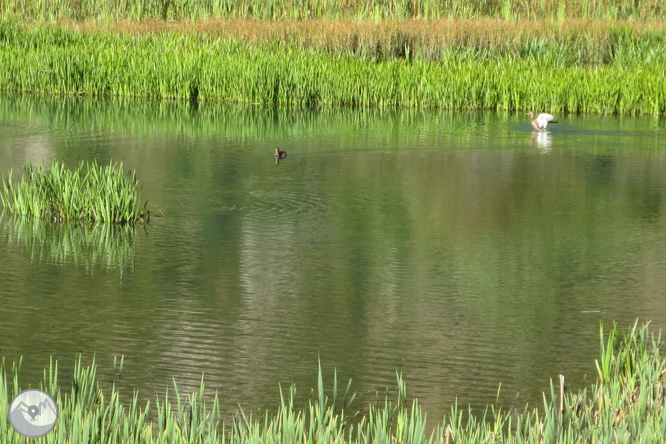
563 72
91 192
579 56
625 403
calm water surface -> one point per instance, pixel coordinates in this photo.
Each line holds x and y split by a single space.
462 250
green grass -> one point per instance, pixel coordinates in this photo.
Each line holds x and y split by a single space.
91 192
303 9
626 404
200 67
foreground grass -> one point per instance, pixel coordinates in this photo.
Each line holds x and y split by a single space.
626 404
622 74
91 192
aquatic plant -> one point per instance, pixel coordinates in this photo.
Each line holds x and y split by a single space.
626 403
91 192
200 67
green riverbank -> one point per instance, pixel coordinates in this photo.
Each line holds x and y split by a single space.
626 404
198 66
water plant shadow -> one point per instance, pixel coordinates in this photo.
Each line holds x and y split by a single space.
94 246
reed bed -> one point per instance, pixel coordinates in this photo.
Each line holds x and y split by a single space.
91 192
626 404
574 41
200 67
304 9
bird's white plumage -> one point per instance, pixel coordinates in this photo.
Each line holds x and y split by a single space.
543 119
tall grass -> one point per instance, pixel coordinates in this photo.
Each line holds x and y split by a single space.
626 404
90 192
579 42
200 67
304 9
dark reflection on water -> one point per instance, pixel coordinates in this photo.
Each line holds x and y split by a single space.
462 250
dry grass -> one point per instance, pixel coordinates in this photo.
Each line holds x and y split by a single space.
512 10
441 32
427 38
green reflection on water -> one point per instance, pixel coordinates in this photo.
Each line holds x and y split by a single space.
88 246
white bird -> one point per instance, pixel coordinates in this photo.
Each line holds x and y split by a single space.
541 121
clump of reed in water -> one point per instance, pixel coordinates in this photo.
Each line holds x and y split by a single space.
91 192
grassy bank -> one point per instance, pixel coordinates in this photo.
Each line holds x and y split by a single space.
626 404
535 74
91 192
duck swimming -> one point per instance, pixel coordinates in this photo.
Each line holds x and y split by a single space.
541 121
280 154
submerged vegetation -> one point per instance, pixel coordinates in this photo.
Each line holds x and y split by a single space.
91 192
626 404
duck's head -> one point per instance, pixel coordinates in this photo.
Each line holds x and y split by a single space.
530 113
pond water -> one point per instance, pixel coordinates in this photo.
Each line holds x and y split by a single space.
460 249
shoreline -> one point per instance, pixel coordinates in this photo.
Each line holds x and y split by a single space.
579 67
